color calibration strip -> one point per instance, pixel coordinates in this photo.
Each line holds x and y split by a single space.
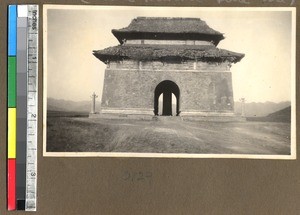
11 103
22 106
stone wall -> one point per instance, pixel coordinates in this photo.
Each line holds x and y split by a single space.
131 85
197 66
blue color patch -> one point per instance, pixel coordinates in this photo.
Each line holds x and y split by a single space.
12 30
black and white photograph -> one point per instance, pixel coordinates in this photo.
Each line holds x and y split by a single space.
174 82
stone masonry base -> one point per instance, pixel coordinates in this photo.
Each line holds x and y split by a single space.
185 116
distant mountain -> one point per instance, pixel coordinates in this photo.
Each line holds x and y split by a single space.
251 109
283 115
66 105
260 109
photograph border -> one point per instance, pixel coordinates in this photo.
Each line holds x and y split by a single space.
173 155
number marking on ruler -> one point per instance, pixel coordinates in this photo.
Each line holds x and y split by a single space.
32 108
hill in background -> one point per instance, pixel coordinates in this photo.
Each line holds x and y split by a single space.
72 106
260 109
283 115
252 109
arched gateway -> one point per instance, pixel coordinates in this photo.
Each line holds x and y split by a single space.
155 50
166 88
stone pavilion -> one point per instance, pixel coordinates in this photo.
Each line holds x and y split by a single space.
175 58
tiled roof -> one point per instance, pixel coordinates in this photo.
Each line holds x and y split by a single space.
166 28
169 25
165 52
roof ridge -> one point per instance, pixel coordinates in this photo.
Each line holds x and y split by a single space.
149 27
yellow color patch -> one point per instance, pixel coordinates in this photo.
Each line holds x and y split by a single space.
12 132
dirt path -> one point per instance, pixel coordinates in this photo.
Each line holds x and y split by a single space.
167 136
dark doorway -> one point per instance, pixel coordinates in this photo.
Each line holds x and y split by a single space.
166 88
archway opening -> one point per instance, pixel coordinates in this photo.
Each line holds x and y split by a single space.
166 99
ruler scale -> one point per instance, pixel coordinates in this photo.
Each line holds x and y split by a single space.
32 108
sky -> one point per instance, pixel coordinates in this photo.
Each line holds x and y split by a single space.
264 36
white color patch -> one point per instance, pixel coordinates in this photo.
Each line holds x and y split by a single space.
22 11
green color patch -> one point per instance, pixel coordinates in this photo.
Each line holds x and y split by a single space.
11 82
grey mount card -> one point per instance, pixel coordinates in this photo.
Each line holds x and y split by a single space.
110 182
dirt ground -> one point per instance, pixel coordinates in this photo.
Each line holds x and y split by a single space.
78 134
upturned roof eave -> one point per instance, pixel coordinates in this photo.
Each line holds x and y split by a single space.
216 55
106 58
